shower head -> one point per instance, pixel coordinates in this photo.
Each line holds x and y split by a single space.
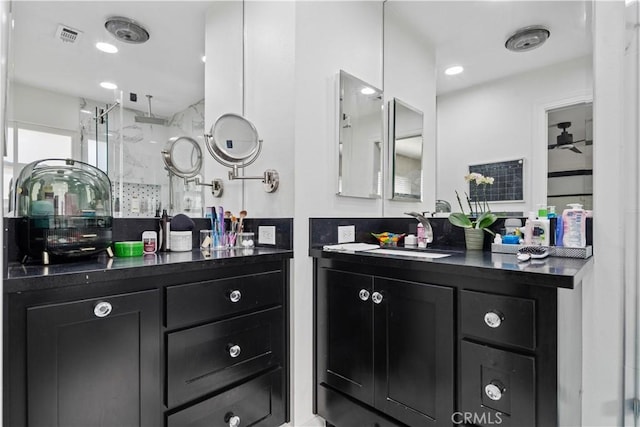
150 119
126 30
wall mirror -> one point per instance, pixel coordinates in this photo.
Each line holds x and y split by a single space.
54 92
406 142
360 141
493 109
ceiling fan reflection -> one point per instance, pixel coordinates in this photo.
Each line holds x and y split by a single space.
565 141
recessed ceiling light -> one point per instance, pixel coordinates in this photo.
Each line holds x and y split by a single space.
452 71
106 47
109 85
204 58
367 91
86 111
151 141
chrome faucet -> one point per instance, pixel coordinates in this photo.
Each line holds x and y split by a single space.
428 231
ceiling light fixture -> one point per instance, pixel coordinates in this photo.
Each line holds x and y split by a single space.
204 58
106 47
367 91
452 71
109 85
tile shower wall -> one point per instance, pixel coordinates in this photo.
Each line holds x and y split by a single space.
139 200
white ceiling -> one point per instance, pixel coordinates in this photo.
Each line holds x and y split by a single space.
168 66
473 34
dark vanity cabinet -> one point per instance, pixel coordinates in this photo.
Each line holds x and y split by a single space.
200 345
386 343
402 343
108 347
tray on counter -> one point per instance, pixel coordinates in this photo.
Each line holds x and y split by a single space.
557 251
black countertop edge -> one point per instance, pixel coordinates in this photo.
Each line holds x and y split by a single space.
31 277
552 272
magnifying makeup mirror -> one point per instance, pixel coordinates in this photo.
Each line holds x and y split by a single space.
233 141
182 156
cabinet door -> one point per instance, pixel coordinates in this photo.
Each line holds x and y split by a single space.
345 322
414 345
94 362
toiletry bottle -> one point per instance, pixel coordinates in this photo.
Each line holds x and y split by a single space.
553 224
422 240
528 228
540 232
574 224
164 231
149 242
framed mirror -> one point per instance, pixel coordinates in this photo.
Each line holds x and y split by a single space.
234 140
182 155
361 124
406 142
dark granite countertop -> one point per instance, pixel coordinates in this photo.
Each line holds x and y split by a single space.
551 271
34 276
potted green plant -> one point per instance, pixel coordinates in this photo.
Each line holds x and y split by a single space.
475 223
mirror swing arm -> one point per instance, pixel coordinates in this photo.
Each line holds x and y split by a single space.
233 142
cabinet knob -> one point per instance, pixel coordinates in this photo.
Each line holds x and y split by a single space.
102 309
364 294
234 350
494 390
234 421
493 318
235 296
376 297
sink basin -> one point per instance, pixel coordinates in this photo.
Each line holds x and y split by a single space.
409 253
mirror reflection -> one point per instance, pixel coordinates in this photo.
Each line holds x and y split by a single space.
495 107
405 126
360 138
58 61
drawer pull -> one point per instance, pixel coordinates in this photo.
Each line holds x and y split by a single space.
235 296
234 421
234 350
376 297
102 309
493 318
494 390
364 294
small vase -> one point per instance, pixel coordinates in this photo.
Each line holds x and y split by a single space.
474 238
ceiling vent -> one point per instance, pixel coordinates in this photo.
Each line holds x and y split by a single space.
527 38
68 34
126 30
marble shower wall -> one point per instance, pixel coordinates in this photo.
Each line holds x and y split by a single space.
145 181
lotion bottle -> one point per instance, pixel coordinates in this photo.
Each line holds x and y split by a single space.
574 224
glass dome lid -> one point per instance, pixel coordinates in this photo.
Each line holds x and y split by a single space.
62 187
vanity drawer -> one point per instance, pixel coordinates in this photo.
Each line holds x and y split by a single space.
203 359
499 319
257 403
205 301
498 385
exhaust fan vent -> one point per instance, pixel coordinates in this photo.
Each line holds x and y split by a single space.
527 38
126 30
68 34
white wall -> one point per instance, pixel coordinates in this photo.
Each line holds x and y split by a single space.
253 77
603 296
329 36
409 75
499 121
